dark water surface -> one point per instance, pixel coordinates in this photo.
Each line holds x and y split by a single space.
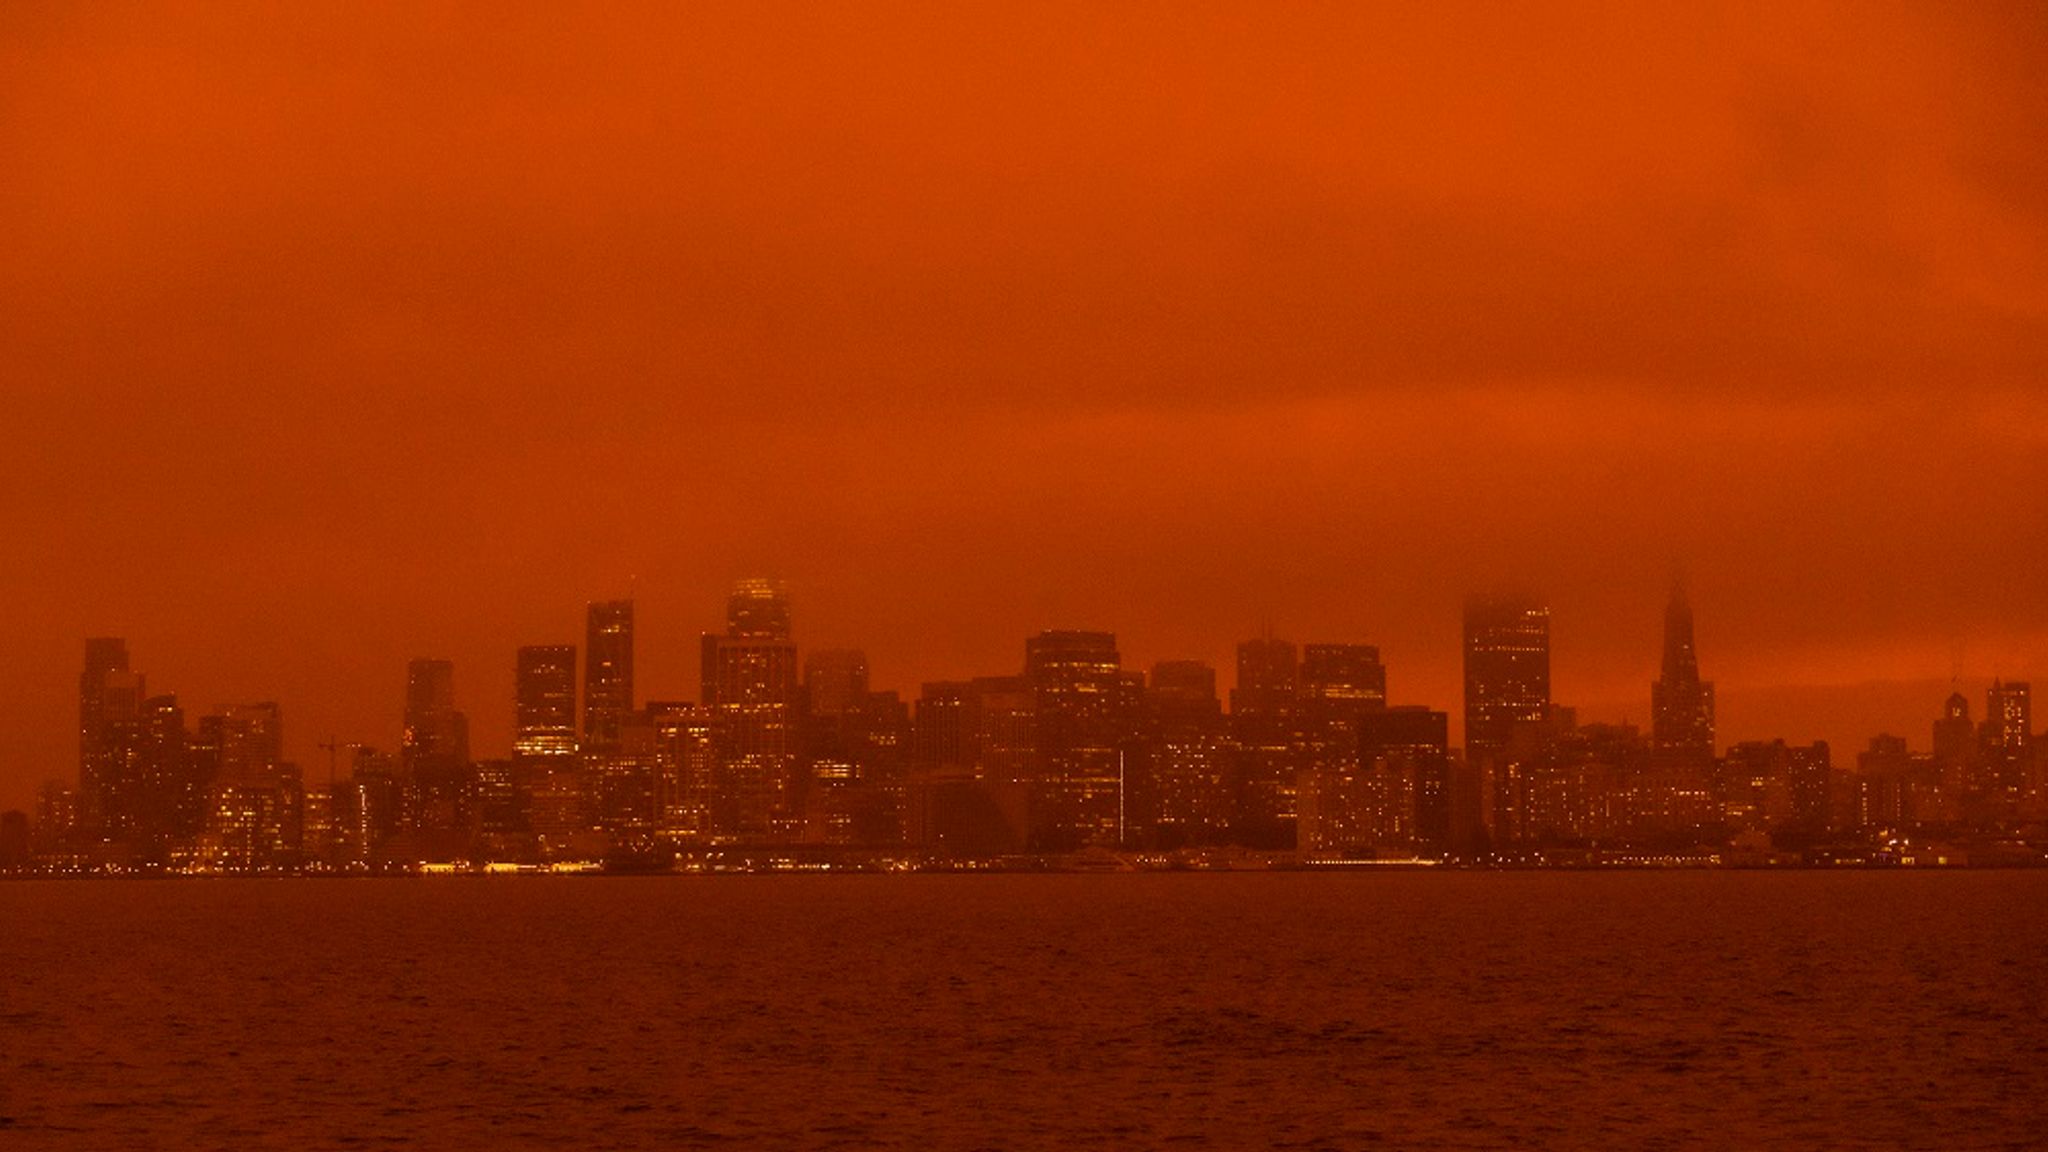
1565 1010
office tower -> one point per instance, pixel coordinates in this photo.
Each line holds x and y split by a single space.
57 817
758 609
251 743
940 727
1087 712
1955 737
686 759
500 806
749 678
835 680
607 671
856 746
1183 796
2009 717
2007 736
120 803
1679 787
435 741
434 758
1563 785
1264 724
176 791
1681 704
1779 789
544 742
364 809
1339 683
252 819
104 657
1507 669
544 703
1375 800
1406 752
1003 738
878 739
1347 674
972 749
622 785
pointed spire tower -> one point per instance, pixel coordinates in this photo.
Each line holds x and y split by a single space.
1681 704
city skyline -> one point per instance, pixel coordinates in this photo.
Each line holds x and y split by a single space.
1317 759
677 676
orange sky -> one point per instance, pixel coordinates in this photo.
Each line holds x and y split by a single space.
336 334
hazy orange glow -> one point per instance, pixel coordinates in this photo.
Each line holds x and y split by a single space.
337 334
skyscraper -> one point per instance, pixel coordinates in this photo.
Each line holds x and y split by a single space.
544 703
104 656
434 748
835 681
435 741
1955 737
758 608
2008 734
749 678
1681 704
607 671
1185 796
176 792
1087 714
1265 724
1679 790
1507 669
544 741
1350 674
2009 716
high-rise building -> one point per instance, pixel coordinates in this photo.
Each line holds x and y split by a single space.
1507 669
941 725
1347 674
686 760
57 817
544 703
1184 796
1340 683
544 761
120 801
1381 797
2009 716
607 672
1681 704
251 744
1955 737
1265 726
434 756
1781 789
749 678
171 780
104 657
835 680
1087 714
1679 783
2007 737
758 609
254 805
434 745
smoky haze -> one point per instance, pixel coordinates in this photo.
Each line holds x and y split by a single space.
334 335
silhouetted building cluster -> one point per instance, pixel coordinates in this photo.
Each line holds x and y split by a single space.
1072 753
